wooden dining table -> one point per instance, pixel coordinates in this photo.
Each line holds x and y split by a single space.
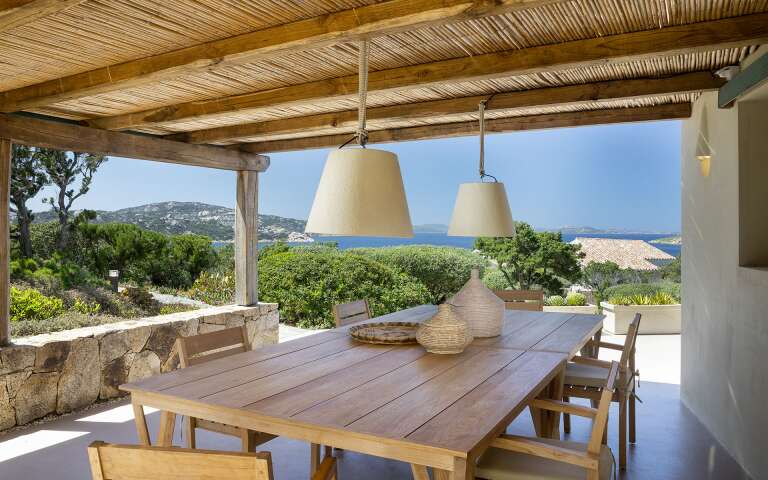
397 402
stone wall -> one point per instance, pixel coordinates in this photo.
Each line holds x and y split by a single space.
63 371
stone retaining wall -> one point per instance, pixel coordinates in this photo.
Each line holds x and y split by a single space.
63 371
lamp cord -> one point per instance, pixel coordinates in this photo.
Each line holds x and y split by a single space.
362 89
481 108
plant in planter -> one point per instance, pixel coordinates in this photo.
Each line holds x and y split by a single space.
660 311
554 301
576 300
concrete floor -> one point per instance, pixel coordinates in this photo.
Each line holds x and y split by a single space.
672 444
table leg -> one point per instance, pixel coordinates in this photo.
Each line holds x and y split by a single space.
463 469
419 472
167 424
141 425
547 423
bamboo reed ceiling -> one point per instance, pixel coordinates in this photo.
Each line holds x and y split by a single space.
93 34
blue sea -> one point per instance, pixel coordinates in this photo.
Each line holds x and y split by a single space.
468 242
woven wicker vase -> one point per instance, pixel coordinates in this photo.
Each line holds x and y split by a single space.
446 332
480 307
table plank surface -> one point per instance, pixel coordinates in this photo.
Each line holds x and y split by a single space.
332 387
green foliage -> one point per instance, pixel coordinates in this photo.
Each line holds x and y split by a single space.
66 321
216 288
554 301
657 298
672 272
27 179
443 270
176 308
52 274
140 297
29 304
273 248
600 276
533 259
306 285
644 289
576 300
495 279
85 307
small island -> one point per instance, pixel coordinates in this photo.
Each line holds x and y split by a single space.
674 240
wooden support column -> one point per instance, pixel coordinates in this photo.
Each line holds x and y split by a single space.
246 239
5 241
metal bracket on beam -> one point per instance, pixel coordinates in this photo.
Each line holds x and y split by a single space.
741 84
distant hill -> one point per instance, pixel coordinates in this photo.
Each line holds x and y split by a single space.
430 228
191 217
568 230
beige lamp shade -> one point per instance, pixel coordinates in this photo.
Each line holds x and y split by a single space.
361 194
482 210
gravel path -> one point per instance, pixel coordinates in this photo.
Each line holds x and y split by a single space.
165 298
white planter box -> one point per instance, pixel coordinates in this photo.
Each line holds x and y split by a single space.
585 309
657 319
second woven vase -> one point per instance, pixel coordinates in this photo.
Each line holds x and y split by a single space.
479 307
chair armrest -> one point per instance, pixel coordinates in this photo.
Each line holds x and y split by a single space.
613 346
326 469
557 453
564 407
591 361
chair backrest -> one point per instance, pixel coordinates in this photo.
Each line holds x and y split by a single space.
130 462
522 299
629 342
209 346
347 313
600 421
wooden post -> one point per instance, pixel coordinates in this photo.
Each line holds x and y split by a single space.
5 241
246 239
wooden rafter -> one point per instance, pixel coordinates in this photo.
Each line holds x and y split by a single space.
732 32
368 21
459 129
347 120
16 13
67 136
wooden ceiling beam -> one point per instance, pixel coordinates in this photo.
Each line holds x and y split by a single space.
459 129
732 32
367 21
68 136
17 13
568 95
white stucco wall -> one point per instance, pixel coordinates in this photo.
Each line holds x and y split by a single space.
725 306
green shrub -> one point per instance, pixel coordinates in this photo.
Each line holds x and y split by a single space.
658 298
443 270
214 288
495 279
306 285
85 307
29 304
646 289
576 300
176 308
554 301
141 297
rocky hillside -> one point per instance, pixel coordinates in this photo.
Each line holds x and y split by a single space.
191 217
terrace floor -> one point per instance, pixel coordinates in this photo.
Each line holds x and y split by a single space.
672 443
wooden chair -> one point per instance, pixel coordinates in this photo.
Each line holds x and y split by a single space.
210 346
348 313
532 300
513 457
131 462
585 376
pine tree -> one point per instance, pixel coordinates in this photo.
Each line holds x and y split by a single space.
27 179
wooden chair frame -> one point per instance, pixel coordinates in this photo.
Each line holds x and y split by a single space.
625 388
205 347
351 312
588 459
532 300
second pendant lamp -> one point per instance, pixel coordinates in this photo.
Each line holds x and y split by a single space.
361 190
482 208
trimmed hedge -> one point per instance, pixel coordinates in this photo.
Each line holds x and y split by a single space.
495 280
306 284
644 289
443 270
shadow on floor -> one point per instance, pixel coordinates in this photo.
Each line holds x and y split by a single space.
672 444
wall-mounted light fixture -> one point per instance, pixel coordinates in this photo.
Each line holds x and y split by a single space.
704 151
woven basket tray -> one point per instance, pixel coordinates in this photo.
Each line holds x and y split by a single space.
385 333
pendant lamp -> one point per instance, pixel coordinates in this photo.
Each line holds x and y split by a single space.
361 190
481 208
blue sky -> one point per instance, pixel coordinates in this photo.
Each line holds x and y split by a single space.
622 176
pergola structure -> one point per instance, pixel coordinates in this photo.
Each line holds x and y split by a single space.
217 83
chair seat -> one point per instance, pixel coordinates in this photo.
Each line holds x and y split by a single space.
583 375
499 464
